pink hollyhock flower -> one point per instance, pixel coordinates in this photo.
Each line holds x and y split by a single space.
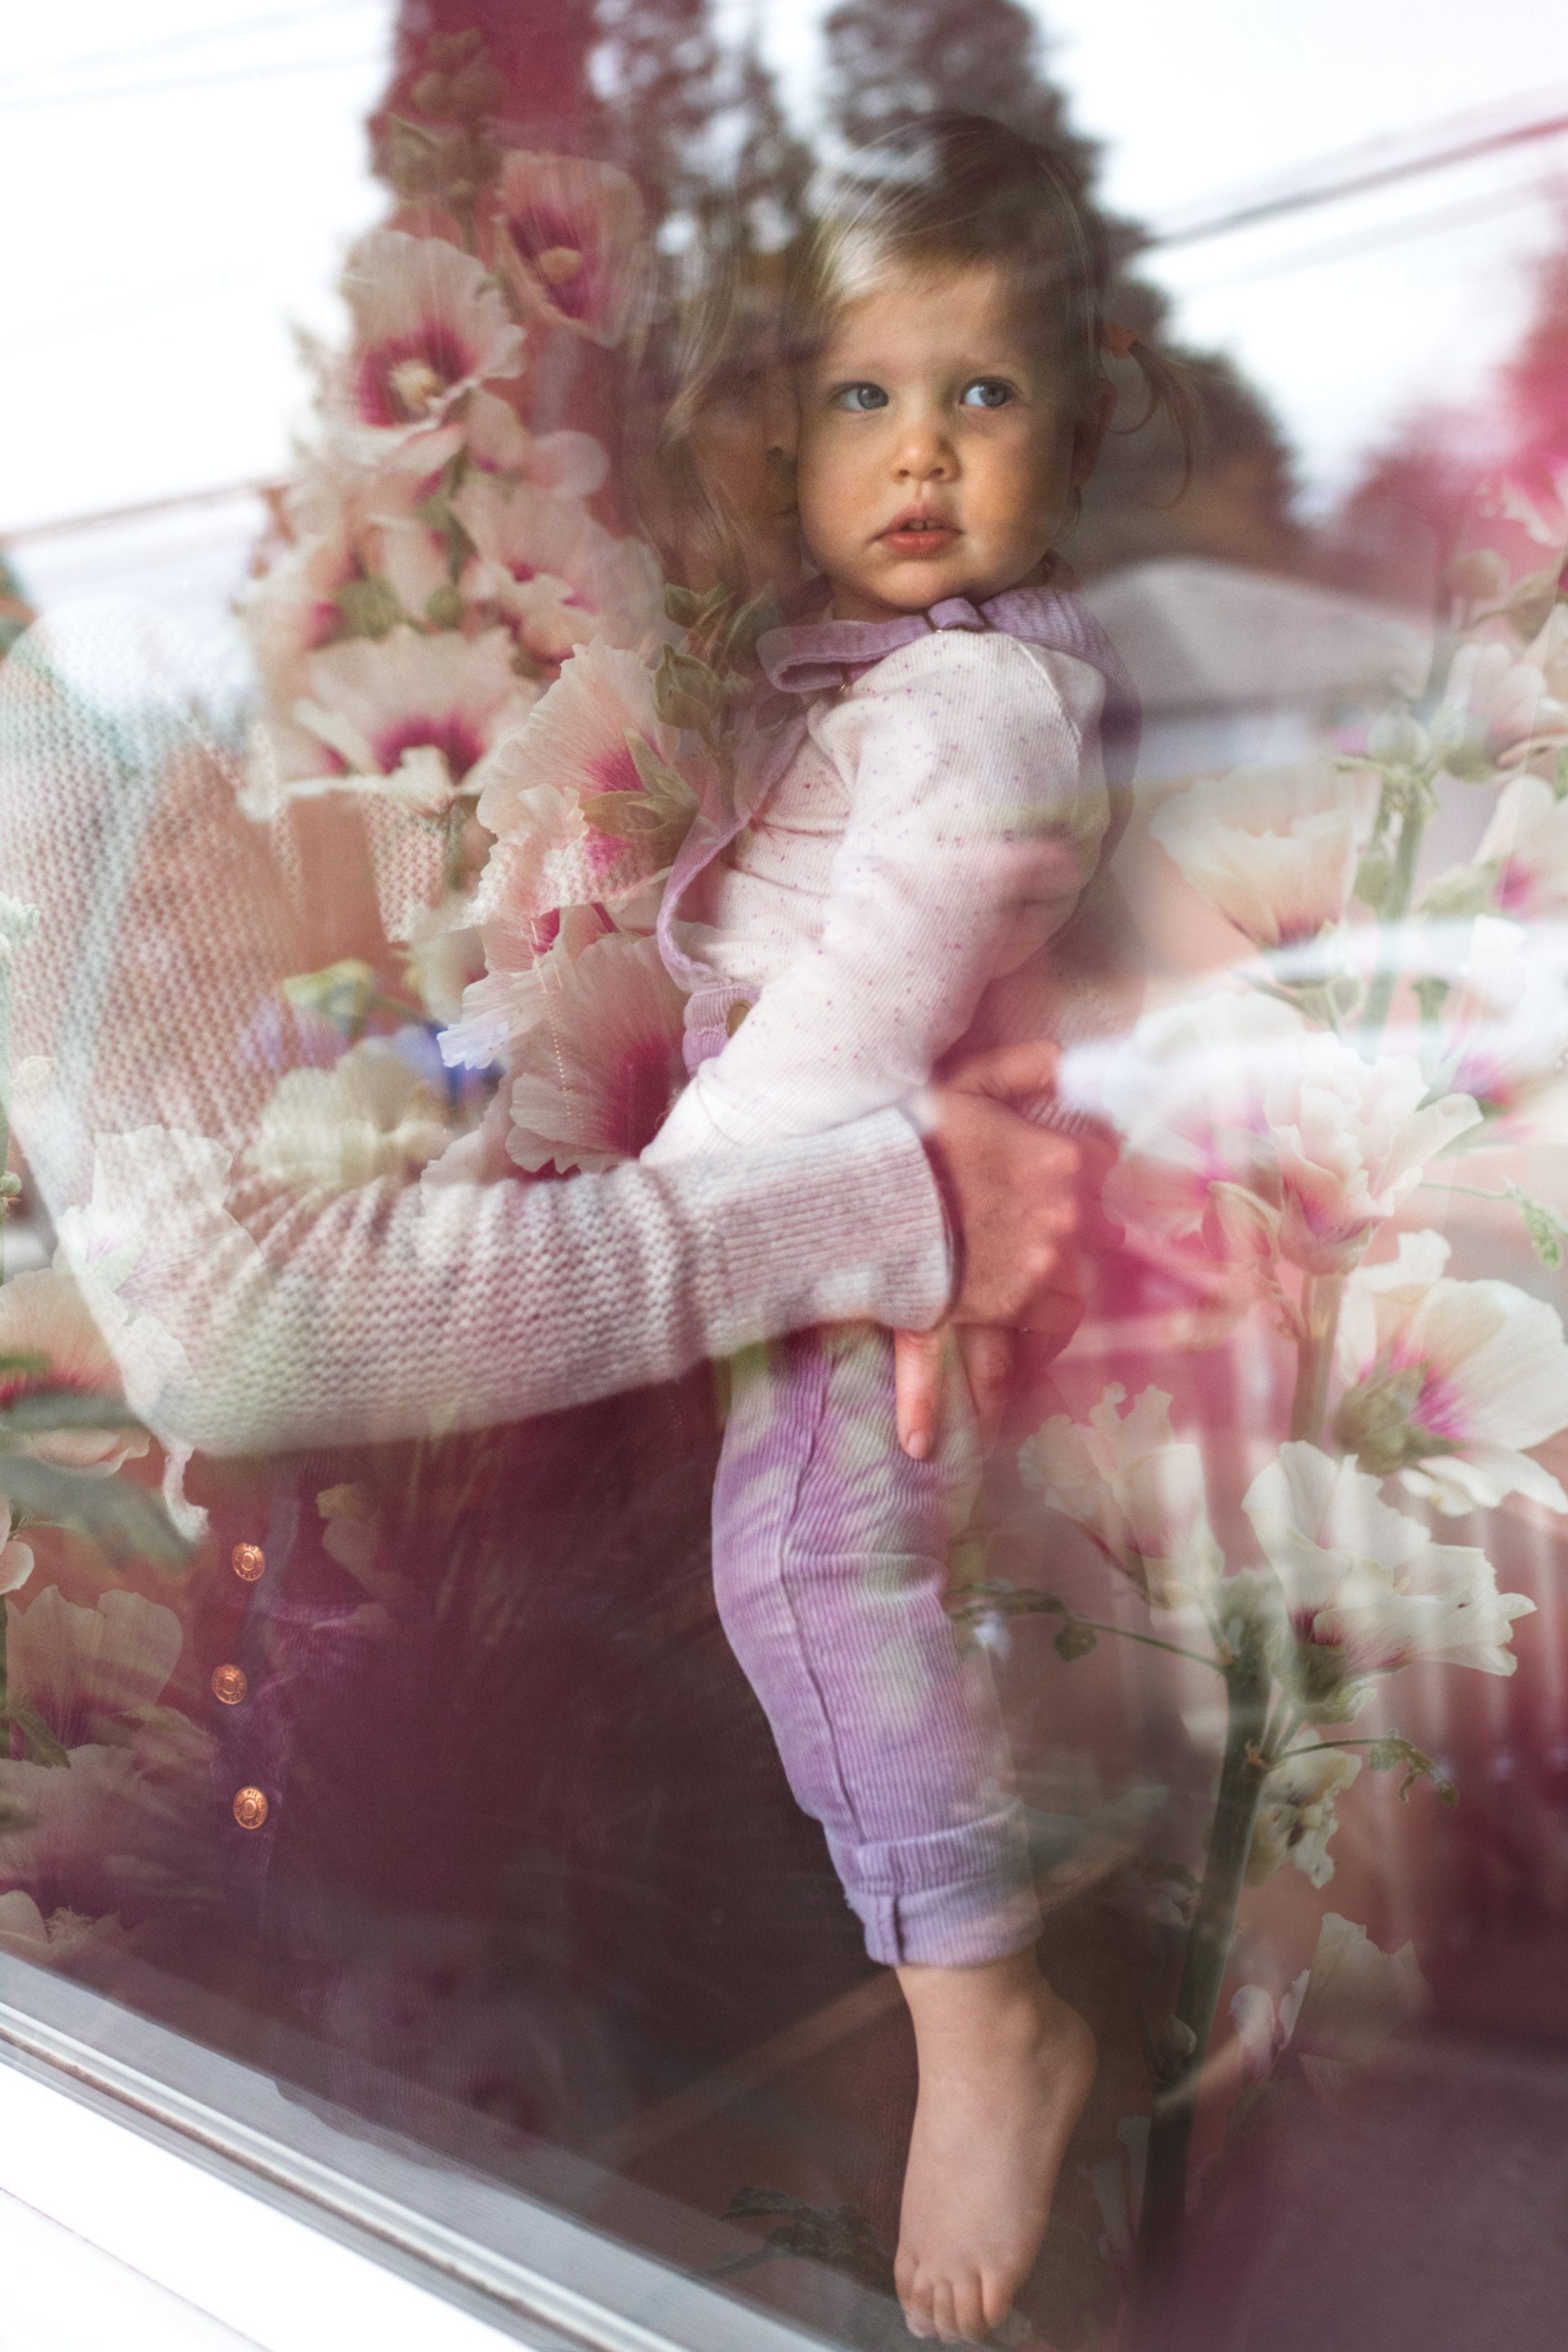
539 786
429 326
1505 1028
1450 1381
594 1079
418 713
1498 704
1365 1589
498 441
569 239
1354 1140
1136 1492
1274 847
558 575
84 1669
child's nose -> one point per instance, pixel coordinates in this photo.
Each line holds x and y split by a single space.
925 455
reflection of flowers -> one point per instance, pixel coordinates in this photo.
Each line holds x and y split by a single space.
1451 1379
1295 1815
1273 847
15 1557
83 1669
593 1080
1505 1035
1528 840
575 747
53 1331
568 237
1497 700
1134 1490
417 711
558 576
429 325
1367 1591
371 1114
1354 1138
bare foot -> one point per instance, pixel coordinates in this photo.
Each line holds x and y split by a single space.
1004 2069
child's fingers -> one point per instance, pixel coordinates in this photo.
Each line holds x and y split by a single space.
917 1383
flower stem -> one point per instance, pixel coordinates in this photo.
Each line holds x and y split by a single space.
1150 1641
1396 905
1242 1774
1320 1296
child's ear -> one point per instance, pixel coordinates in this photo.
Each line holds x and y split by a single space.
1093 421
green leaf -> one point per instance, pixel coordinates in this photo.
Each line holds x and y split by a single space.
128 1522
685 692
1545 1227
1392 1754
27 1363
39 1745
752 622
1465 890
443 607
67 1408
1074 1639
679 604
666 787
623 817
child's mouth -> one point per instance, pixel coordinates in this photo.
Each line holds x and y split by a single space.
921 535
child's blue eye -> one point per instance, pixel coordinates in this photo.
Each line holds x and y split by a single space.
989 391
860 398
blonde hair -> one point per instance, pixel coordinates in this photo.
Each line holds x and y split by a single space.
957 191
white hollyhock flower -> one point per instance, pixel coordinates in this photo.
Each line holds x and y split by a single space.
595 1077
1528 840
1505 1028
15 1557
1354 1140
1274 847
1365 1589
570 238
372 1115
1450 1381
497 440
1295 1815
429 325
1497 701
1134 1490
1337 2013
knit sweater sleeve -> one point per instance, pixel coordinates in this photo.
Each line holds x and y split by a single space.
977 807
388 1313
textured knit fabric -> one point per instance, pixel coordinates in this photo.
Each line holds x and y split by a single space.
148 1008
930 836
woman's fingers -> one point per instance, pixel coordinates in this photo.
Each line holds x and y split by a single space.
1012 1189
989 1352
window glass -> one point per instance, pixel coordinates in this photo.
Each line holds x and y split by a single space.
678 686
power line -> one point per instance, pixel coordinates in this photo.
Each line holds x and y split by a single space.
194 82
1356 170
1351 248
63 525
200 36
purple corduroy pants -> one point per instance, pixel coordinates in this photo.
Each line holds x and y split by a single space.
830 1561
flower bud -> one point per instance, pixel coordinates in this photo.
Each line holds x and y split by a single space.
1480 577
1399 741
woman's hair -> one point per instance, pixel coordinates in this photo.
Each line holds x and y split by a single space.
954 192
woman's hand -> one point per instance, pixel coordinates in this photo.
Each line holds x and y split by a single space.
1012 1190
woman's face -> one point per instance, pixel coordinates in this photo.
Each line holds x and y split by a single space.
744 448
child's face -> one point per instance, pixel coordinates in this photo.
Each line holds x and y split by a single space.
940 442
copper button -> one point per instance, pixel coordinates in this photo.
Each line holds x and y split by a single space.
229 1684
250 1809
249 1559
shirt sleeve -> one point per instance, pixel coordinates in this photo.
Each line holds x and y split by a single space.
977 809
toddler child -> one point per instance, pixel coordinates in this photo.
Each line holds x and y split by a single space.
919 813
